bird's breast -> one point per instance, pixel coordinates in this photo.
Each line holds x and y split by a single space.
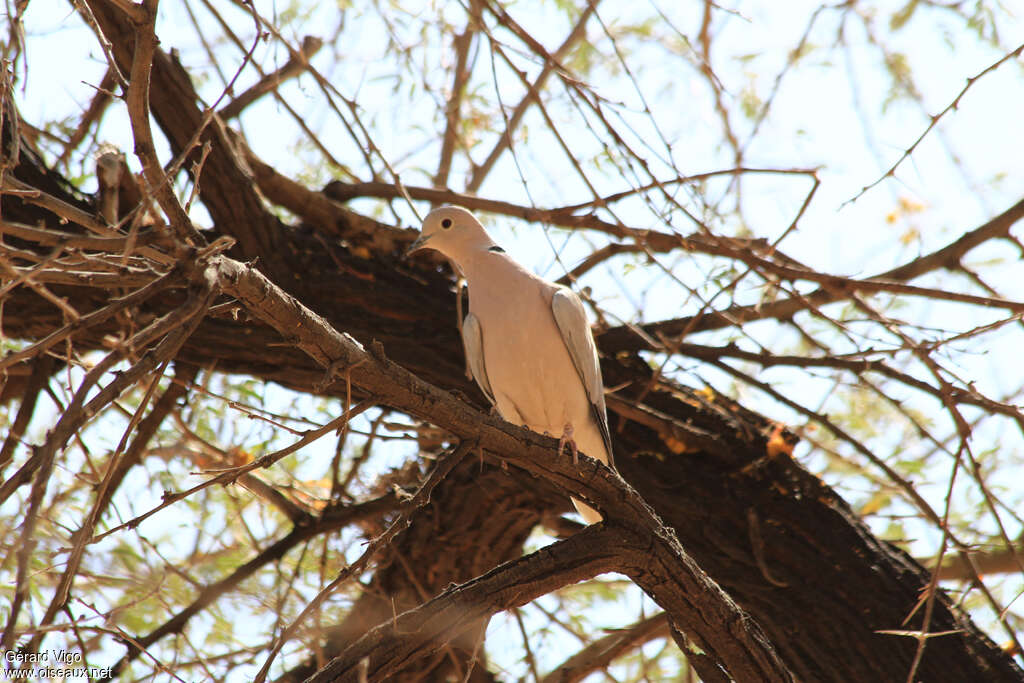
531 373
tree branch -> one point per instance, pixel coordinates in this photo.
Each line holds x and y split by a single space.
422 631
625 337
177 326
934 120
42 367
504 142
137 100
999 561
226 190
602 652
462 44
747 650
334 517
295 65
441 470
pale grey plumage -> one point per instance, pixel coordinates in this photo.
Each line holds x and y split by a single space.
528 343
472 339
572 322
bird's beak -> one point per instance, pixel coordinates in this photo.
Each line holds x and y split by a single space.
420 243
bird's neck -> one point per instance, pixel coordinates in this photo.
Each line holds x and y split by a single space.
488 273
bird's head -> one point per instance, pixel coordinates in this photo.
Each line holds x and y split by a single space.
452 231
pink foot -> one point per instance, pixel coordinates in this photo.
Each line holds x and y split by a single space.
567 434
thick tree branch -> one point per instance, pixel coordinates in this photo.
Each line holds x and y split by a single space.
674 577
983 562
833 580
137 100
375 547
226 190
419 632
329 216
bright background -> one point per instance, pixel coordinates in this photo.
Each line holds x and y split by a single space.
861 91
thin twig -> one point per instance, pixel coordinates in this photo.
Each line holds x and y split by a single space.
421 498
934 120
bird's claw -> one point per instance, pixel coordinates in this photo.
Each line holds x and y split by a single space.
566 438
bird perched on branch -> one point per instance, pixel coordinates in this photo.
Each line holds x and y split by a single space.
527 341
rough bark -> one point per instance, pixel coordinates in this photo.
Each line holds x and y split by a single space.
445 545
783 545
821 571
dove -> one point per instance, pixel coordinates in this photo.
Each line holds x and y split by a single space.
528 343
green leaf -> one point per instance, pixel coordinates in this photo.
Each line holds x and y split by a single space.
902 16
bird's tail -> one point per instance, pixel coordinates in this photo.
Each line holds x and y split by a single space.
589 514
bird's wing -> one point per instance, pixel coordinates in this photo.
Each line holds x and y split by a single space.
572 323
473 340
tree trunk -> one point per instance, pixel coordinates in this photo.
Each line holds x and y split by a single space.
781 543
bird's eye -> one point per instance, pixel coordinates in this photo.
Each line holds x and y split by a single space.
446 223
